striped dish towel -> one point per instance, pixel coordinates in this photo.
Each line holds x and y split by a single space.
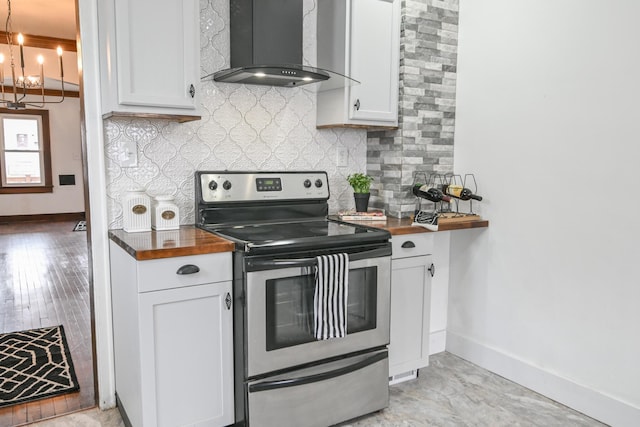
330 298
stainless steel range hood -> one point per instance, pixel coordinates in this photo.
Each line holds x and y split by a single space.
290 75
266 46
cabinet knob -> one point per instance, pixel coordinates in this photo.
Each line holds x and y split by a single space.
357 104
227 301
192 90
408 244
188 269
432 269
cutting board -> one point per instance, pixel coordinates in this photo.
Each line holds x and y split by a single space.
449 217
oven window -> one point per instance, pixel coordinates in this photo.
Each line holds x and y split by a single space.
290 307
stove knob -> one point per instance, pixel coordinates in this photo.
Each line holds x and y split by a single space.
213 186
226 185
318 183
307 183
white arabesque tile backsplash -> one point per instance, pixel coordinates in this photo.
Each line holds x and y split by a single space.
243 127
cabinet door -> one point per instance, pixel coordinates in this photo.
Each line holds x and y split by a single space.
158 52
410 305
186 356
374 60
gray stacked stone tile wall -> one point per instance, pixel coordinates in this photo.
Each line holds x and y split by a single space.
423 141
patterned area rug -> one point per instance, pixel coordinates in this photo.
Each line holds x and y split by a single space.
80 226
35 364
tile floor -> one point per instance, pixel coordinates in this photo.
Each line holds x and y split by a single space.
450 392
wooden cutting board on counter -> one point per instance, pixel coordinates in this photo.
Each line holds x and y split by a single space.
451 217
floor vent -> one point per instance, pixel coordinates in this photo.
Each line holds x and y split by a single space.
405 376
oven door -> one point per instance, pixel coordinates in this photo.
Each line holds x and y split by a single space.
279 311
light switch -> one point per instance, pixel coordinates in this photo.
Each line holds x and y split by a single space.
128 155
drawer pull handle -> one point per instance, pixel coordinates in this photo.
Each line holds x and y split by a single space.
408 244
188 269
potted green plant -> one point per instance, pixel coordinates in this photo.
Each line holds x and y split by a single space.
361 184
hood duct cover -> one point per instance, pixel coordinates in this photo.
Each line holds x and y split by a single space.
266 45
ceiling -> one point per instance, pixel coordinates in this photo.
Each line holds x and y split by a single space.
53 18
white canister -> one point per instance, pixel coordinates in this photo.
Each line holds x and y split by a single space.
136 211
165 214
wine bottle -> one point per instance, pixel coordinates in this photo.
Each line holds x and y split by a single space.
430 193
460 192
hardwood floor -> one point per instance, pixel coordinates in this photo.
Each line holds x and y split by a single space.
44 282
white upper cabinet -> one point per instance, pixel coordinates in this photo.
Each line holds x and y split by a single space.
360 39
150 58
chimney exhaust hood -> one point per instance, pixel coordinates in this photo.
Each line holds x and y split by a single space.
266 46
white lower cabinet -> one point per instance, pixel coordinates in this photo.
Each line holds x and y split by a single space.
410 305
173 339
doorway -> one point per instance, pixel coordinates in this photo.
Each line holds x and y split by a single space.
45 277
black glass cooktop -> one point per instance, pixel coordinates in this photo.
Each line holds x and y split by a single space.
300 234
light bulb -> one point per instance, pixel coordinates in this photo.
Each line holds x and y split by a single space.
59 50
40 59
20 39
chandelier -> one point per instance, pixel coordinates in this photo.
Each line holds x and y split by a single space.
22 85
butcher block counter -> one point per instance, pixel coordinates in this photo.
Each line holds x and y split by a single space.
188 240
399 226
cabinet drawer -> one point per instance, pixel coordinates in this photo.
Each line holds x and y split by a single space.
408 245
158 274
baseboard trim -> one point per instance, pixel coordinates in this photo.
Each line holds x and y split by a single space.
437 342
123 413
590 402
57 217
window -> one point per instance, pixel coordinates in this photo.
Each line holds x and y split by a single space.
25 155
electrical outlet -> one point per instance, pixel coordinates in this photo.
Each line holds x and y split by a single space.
342 158
128 154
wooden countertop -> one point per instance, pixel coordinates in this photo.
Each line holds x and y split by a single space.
188 240
397 226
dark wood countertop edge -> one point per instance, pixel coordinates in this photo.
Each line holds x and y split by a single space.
145 255
118 241
482 223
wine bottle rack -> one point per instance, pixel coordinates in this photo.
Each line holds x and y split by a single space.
453 209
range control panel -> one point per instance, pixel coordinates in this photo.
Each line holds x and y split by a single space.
226 186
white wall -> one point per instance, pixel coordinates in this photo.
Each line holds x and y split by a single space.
548 119
66 159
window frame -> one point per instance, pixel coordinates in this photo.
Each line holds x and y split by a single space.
45 152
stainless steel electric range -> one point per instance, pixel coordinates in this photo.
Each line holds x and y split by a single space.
283 374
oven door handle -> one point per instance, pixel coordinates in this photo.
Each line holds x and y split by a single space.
293 382
261 264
